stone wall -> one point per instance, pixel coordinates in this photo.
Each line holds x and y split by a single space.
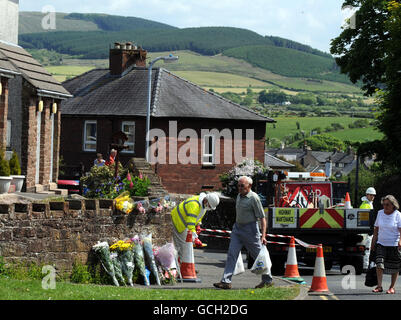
59 233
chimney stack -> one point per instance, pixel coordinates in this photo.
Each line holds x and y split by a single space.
125 55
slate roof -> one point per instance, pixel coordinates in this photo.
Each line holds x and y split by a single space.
6 68
275 163
98 93
31 70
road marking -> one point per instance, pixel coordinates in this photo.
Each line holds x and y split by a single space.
335 298
324 298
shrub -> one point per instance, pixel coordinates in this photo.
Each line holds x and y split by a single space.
80 274
15 168
137 186
250 168
101 183
4 166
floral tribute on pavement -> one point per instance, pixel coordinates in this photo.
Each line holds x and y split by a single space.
154 264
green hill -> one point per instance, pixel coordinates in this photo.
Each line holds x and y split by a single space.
297 66
288 62
31 22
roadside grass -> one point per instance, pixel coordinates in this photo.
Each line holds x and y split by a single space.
288 125
11 289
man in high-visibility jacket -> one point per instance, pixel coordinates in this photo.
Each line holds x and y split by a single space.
188 214
367 203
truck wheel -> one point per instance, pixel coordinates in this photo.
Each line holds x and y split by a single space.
356 262
328 264
278 267
358 265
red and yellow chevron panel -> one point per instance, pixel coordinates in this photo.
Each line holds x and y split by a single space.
313 219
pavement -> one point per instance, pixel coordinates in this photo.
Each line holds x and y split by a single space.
210 266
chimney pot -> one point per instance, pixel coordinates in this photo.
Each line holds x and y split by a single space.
125 55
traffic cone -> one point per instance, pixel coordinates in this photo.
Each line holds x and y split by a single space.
319 281
291 268
347 202
187 263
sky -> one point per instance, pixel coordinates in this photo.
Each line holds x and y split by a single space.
311 22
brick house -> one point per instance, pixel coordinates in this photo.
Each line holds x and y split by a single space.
29 107
109 100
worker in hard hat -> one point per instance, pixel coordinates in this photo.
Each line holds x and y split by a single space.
188 214
367 203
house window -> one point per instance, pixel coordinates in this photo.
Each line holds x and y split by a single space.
341 165
90 136
208 150
129 129
8 133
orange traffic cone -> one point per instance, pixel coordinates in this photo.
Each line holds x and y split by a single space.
319 281
291 268
347 204
187 264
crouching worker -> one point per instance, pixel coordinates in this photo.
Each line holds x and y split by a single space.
188 214
246 233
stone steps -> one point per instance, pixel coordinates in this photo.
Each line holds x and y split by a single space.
156 188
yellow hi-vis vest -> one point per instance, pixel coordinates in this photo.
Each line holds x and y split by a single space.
186 214
366 205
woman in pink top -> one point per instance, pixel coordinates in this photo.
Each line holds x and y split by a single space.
386 242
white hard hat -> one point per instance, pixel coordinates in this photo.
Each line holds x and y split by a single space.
371 190
213 200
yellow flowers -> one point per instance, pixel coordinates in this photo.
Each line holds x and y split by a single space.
124 203
121 246
393 5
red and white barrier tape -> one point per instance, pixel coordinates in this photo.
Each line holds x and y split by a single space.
213 236
299 242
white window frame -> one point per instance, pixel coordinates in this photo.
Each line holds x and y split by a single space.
208 155
129 123
84 138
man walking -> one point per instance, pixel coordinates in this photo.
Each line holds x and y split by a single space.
246 232
188 214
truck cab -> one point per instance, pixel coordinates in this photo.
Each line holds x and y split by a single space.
312 209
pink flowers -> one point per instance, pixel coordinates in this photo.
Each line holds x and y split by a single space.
140 208
131 185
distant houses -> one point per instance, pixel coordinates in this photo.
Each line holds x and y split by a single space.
338 163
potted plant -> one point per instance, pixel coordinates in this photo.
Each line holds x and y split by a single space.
5 179
15 172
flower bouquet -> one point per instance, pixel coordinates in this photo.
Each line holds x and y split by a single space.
165 256
126 257
117 267
150 258
103 251
140 208
124 203
140 259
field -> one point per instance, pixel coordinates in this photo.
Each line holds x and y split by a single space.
288 125
62 73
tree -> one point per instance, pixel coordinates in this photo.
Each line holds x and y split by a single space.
371 52
323 142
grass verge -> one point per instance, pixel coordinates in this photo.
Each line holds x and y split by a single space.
11 289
